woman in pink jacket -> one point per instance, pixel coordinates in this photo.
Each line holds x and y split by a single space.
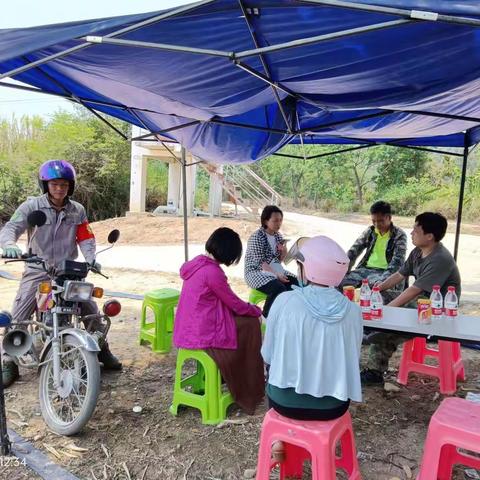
211 317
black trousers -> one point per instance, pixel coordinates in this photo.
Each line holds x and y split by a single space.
310 413
273 289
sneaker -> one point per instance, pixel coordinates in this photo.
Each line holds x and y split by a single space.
371 377
109 360
9 372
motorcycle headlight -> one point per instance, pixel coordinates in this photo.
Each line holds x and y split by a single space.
77 291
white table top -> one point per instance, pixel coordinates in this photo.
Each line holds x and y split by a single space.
398 320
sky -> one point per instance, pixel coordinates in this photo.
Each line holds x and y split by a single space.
29 13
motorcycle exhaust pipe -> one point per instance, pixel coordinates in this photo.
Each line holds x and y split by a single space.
17 342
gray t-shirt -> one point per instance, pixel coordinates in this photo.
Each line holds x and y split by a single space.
437 268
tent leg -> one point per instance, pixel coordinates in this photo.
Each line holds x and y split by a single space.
185 212
460 198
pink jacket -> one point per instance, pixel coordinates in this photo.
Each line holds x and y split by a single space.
206 308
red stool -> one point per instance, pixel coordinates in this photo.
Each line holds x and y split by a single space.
305 440
449 368
455 424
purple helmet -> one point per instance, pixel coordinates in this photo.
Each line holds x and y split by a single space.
56 169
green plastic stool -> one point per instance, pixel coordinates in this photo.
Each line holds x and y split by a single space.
159 332
256 296
206 388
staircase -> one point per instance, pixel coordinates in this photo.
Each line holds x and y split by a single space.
245 188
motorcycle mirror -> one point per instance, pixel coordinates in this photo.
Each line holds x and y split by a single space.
113 236
36 218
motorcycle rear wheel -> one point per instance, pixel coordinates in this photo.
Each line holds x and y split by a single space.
66 410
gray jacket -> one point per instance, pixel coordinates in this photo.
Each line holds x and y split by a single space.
57 240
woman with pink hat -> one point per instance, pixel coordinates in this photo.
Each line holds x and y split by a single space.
313 338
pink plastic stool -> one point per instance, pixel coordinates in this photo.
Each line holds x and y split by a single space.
308 440
449 368
455 424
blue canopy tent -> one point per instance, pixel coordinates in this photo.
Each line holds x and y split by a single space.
236 80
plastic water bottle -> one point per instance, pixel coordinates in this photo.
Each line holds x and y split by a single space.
365 294
451 303
376 304
436 300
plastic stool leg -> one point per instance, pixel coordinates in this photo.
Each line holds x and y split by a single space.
323 464
430 460
445 466
419 349
264 454
348 455
405 362
448 380
292 466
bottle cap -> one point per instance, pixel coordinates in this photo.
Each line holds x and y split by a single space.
436 287
375 289
451 289
365 280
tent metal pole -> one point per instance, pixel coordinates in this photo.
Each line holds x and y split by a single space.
166 130
321 38
104 120
460 196
135 26
185 213
346 121
326 154
251 127
67 97
424 149
417 14
265 79
94 39
359 147
265 67
440 115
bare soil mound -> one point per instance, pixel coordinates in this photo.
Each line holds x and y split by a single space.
156 230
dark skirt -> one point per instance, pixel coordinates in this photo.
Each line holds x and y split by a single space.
310 413
242 369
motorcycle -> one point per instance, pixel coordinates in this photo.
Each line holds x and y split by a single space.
60 342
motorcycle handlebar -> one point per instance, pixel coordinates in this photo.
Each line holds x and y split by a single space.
32 258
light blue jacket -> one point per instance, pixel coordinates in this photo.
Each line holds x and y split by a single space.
312 343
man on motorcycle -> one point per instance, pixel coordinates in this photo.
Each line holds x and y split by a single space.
66 228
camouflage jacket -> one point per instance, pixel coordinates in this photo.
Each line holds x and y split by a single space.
395 253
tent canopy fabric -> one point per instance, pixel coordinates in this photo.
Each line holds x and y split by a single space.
231 72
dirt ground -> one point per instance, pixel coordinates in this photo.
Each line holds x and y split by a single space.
390 427
160 230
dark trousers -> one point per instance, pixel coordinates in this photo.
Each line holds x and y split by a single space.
310 413
273 289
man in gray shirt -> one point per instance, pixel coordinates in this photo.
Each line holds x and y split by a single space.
431 264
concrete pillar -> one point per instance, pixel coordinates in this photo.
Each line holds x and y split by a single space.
138 179
215 192
191 185
174 187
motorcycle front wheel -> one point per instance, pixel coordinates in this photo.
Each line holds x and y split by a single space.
67 408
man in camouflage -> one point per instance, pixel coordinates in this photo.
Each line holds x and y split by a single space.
66 228
385 247
431 264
